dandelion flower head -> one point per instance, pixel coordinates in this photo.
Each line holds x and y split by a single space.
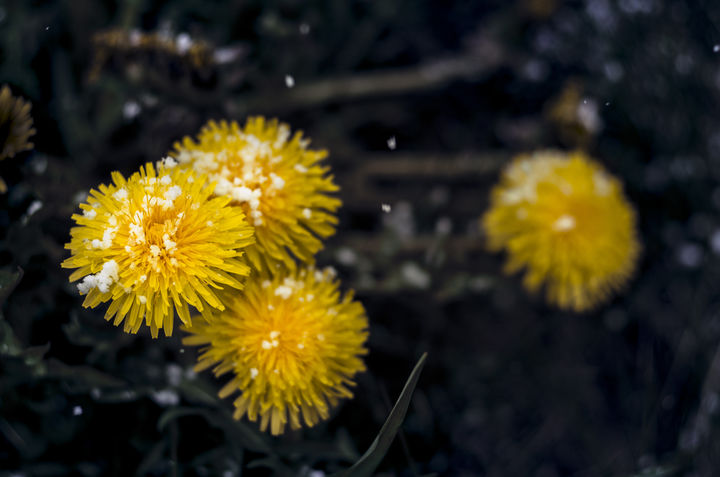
292 343
565 220
279 183
157 243
15 124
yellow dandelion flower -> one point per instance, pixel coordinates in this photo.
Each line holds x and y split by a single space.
154 244
292 343
279 183
15 124
565 220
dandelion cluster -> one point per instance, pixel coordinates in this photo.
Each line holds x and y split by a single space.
564 220
292 344
279 183
218 229
15 124
157 243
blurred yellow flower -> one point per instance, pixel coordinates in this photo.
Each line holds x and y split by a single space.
15 124
156 243
279 183
293 346
564 220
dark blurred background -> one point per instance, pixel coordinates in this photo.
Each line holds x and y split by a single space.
420 103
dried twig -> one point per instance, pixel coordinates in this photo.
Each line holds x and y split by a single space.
485 57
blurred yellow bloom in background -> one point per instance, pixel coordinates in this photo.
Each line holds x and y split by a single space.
15 124
15 127
292 343
279 183
565 220
156 243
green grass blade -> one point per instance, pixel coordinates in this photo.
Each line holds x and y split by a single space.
367 464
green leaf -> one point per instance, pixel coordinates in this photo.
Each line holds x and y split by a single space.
248 436
234 430
8 282
9 344
176 413
266 462
367 464
33 357
152 458
196 392
346 445
278 468
82 374
317 451
34 354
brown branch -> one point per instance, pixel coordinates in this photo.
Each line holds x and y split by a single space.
389 178
485 57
